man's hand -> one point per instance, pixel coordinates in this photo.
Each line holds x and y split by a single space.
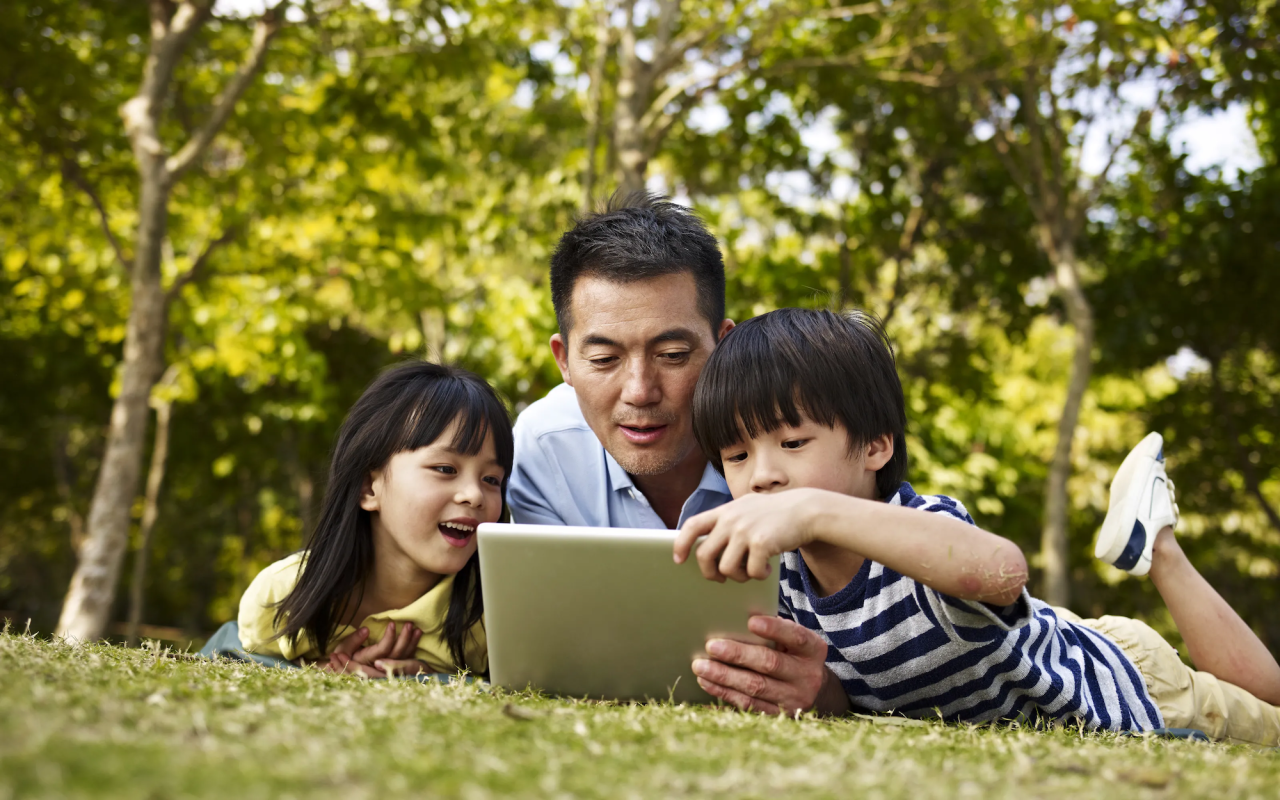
790 679
743 535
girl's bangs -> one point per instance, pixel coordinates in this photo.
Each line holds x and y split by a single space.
477 412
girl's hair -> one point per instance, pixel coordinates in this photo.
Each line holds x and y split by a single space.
407 407
833 367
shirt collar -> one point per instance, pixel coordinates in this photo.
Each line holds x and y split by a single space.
619 479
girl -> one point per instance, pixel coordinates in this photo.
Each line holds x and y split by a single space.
420 461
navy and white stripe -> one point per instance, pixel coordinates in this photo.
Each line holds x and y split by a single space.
899 646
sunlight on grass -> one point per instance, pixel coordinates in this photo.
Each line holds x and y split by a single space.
104 721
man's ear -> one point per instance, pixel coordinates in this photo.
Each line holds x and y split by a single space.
879 452
725 327
371 490
560 349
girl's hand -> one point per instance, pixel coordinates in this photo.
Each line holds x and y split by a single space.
349 656
743 535
382 668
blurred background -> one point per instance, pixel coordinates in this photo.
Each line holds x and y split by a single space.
1067 214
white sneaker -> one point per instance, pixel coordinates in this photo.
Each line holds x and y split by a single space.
1141 504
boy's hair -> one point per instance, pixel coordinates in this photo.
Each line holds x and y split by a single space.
407 407
830 367
638 236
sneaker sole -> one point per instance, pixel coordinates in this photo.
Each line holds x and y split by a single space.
1119 528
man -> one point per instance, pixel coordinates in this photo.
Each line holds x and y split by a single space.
639 297
638 292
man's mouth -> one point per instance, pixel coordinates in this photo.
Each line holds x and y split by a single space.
646 434
458 531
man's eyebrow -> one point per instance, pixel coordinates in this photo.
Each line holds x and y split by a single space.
675 335
671 335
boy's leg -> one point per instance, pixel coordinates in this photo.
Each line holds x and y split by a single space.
1137 536
1218 640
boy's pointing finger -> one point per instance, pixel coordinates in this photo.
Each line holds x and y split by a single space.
693 527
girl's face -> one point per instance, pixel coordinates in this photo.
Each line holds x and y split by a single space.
426 503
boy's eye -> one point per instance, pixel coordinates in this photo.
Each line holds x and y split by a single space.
736 458
492 480
794 444
445 469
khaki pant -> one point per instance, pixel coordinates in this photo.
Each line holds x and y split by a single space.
1186 697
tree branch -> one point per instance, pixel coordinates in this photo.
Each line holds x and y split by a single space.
263 31
170 31
1099 183
861 10
200 265
72 172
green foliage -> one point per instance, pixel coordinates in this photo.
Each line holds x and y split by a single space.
394 183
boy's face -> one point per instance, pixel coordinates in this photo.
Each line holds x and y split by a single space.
808 455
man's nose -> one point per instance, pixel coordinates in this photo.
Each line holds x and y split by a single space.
642 387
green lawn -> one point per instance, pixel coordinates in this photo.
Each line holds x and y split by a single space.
105 721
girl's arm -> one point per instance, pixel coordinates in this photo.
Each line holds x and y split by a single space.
938 550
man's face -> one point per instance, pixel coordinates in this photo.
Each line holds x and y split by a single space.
633 356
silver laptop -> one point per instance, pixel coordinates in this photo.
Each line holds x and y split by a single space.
604 612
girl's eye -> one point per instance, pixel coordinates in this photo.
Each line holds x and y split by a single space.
736 458
493 481
445 469
794 444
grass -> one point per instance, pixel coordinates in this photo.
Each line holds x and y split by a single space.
106 721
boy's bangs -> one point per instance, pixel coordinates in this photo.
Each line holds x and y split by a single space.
754 386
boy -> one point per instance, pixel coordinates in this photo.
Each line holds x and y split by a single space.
923 614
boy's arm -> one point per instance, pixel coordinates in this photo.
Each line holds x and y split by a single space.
938 550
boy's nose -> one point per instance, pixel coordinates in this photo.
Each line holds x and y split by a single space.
767 479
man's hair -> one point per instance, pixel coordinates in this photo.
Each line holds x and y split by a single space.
638 236
832 367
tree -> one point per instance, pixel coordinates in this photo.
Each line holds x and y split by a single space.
1056 77
173 29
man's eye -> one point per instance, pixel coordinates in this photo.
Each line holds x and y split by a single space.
676 357
794 444
603 361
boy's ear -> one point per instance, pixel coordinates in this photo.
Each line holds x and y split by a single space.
371 490
879 451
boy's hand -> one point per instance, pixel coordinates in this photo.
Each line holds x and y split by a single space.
789 679
744 534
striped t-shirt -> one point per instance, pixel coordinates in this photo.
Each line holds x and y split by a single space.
898 646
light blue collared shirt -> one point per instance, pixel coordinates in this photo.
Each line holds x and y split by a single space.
564 476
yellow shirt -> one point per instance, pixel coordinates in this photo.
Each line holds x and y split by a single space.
273 584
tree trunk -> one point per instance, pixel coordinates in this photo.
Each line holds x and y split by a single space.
633 98
150 510
1054 550
595 102
88 602
64 477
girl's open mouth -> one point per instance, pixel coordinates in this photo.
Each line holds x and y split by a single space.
458 532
